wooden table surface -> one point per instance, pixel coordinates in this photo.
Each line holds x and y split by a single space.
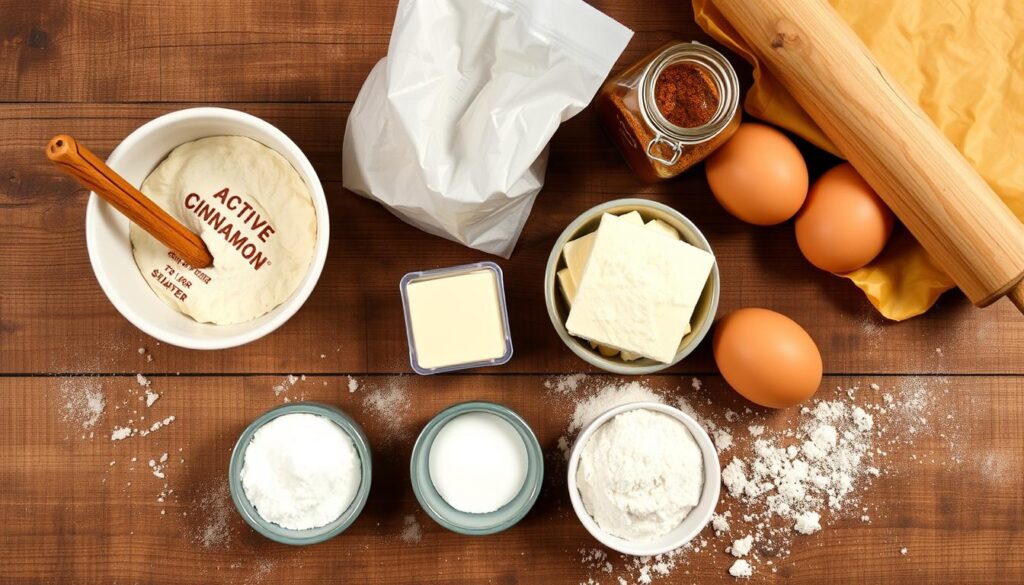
76 507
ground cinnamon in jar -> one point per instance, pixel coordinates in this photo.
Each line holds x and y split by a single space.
686 95
670 110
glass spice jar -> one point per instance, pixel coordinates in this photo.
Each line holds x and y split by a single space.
670 110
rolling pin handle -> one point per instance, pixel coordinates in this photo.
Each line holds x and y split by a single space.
1016 295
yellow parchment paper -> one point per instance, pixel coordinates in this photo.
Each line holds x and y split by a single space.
963 61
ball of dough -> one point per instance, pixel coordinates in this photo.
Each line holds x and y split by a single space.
759 175
253 211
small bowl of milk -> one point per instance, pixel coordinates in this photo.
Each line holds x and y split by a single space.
477 468
300 473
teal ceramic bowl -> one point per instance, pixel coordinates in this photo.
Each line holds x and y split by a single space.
312 535
463 522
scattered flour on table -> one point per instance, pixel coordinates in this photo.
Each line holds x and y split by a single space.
741 569
412 532
261 570
386 401
594 402
566 384
83 401
353 384
123 432
289 381
741 547
215 510
788 474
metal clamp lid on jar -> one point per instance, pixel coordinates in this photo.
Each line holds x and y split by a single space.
677 137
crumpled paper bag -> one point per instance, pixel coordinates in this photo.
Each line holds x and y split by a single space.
963 61
450 130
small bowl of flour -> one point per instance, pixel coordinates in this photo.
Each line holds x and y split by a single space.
300 473
644 478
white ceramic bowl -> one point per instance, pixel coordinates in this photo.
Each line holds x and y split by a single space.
110 250
697 519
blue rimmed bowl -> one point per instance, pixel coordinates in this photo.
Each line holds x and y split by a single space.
313 535
464 522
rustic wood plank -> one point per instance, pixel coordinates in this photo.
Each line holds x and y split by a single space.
951 496
256 50
55 318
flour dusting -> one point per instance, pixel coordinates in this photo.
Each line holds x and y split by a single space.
787 475
387 402
83 401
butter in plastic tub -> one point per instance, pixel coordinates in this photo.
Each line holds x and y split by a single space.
456 318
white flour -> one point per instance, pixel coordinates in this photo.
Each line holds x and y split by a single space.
741 547
640 474
289 381
386 401
741 569
216 512
795 471
83 401
301 471
412 532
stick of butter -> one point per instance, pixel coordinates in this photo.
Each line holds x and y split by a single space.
639 290
577 252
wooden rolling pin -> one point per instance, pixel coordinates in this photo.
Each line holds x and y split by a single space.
891 142
77 161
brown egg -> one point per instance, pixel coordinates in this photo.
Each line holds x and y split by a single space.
767 357
759 175
843 225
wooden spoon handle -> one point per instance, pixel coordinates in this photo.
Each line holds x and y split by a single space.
77 161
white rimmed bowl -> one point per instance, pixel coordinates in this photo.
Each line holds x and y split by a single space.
110 250
694 522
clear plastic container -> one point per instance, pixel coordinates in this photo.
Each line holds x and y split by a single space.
654 147
414 355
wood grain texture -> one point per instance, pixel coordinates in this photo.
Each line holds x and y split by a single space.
255 50
951 497
354 316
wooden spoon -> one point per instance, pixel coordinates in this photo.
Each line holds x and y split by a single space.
77 161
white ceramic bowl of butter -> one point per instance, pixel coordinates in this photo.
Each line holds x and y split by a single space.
110 250
691 525
558 309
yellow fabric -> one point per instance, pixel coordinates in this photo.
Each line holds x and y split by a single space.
963 61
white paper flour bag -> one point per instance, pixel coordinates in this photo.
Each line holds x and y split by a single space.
450 130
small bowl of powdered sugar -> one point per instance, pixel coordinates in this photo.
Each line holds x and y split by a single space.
644 478
300 473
